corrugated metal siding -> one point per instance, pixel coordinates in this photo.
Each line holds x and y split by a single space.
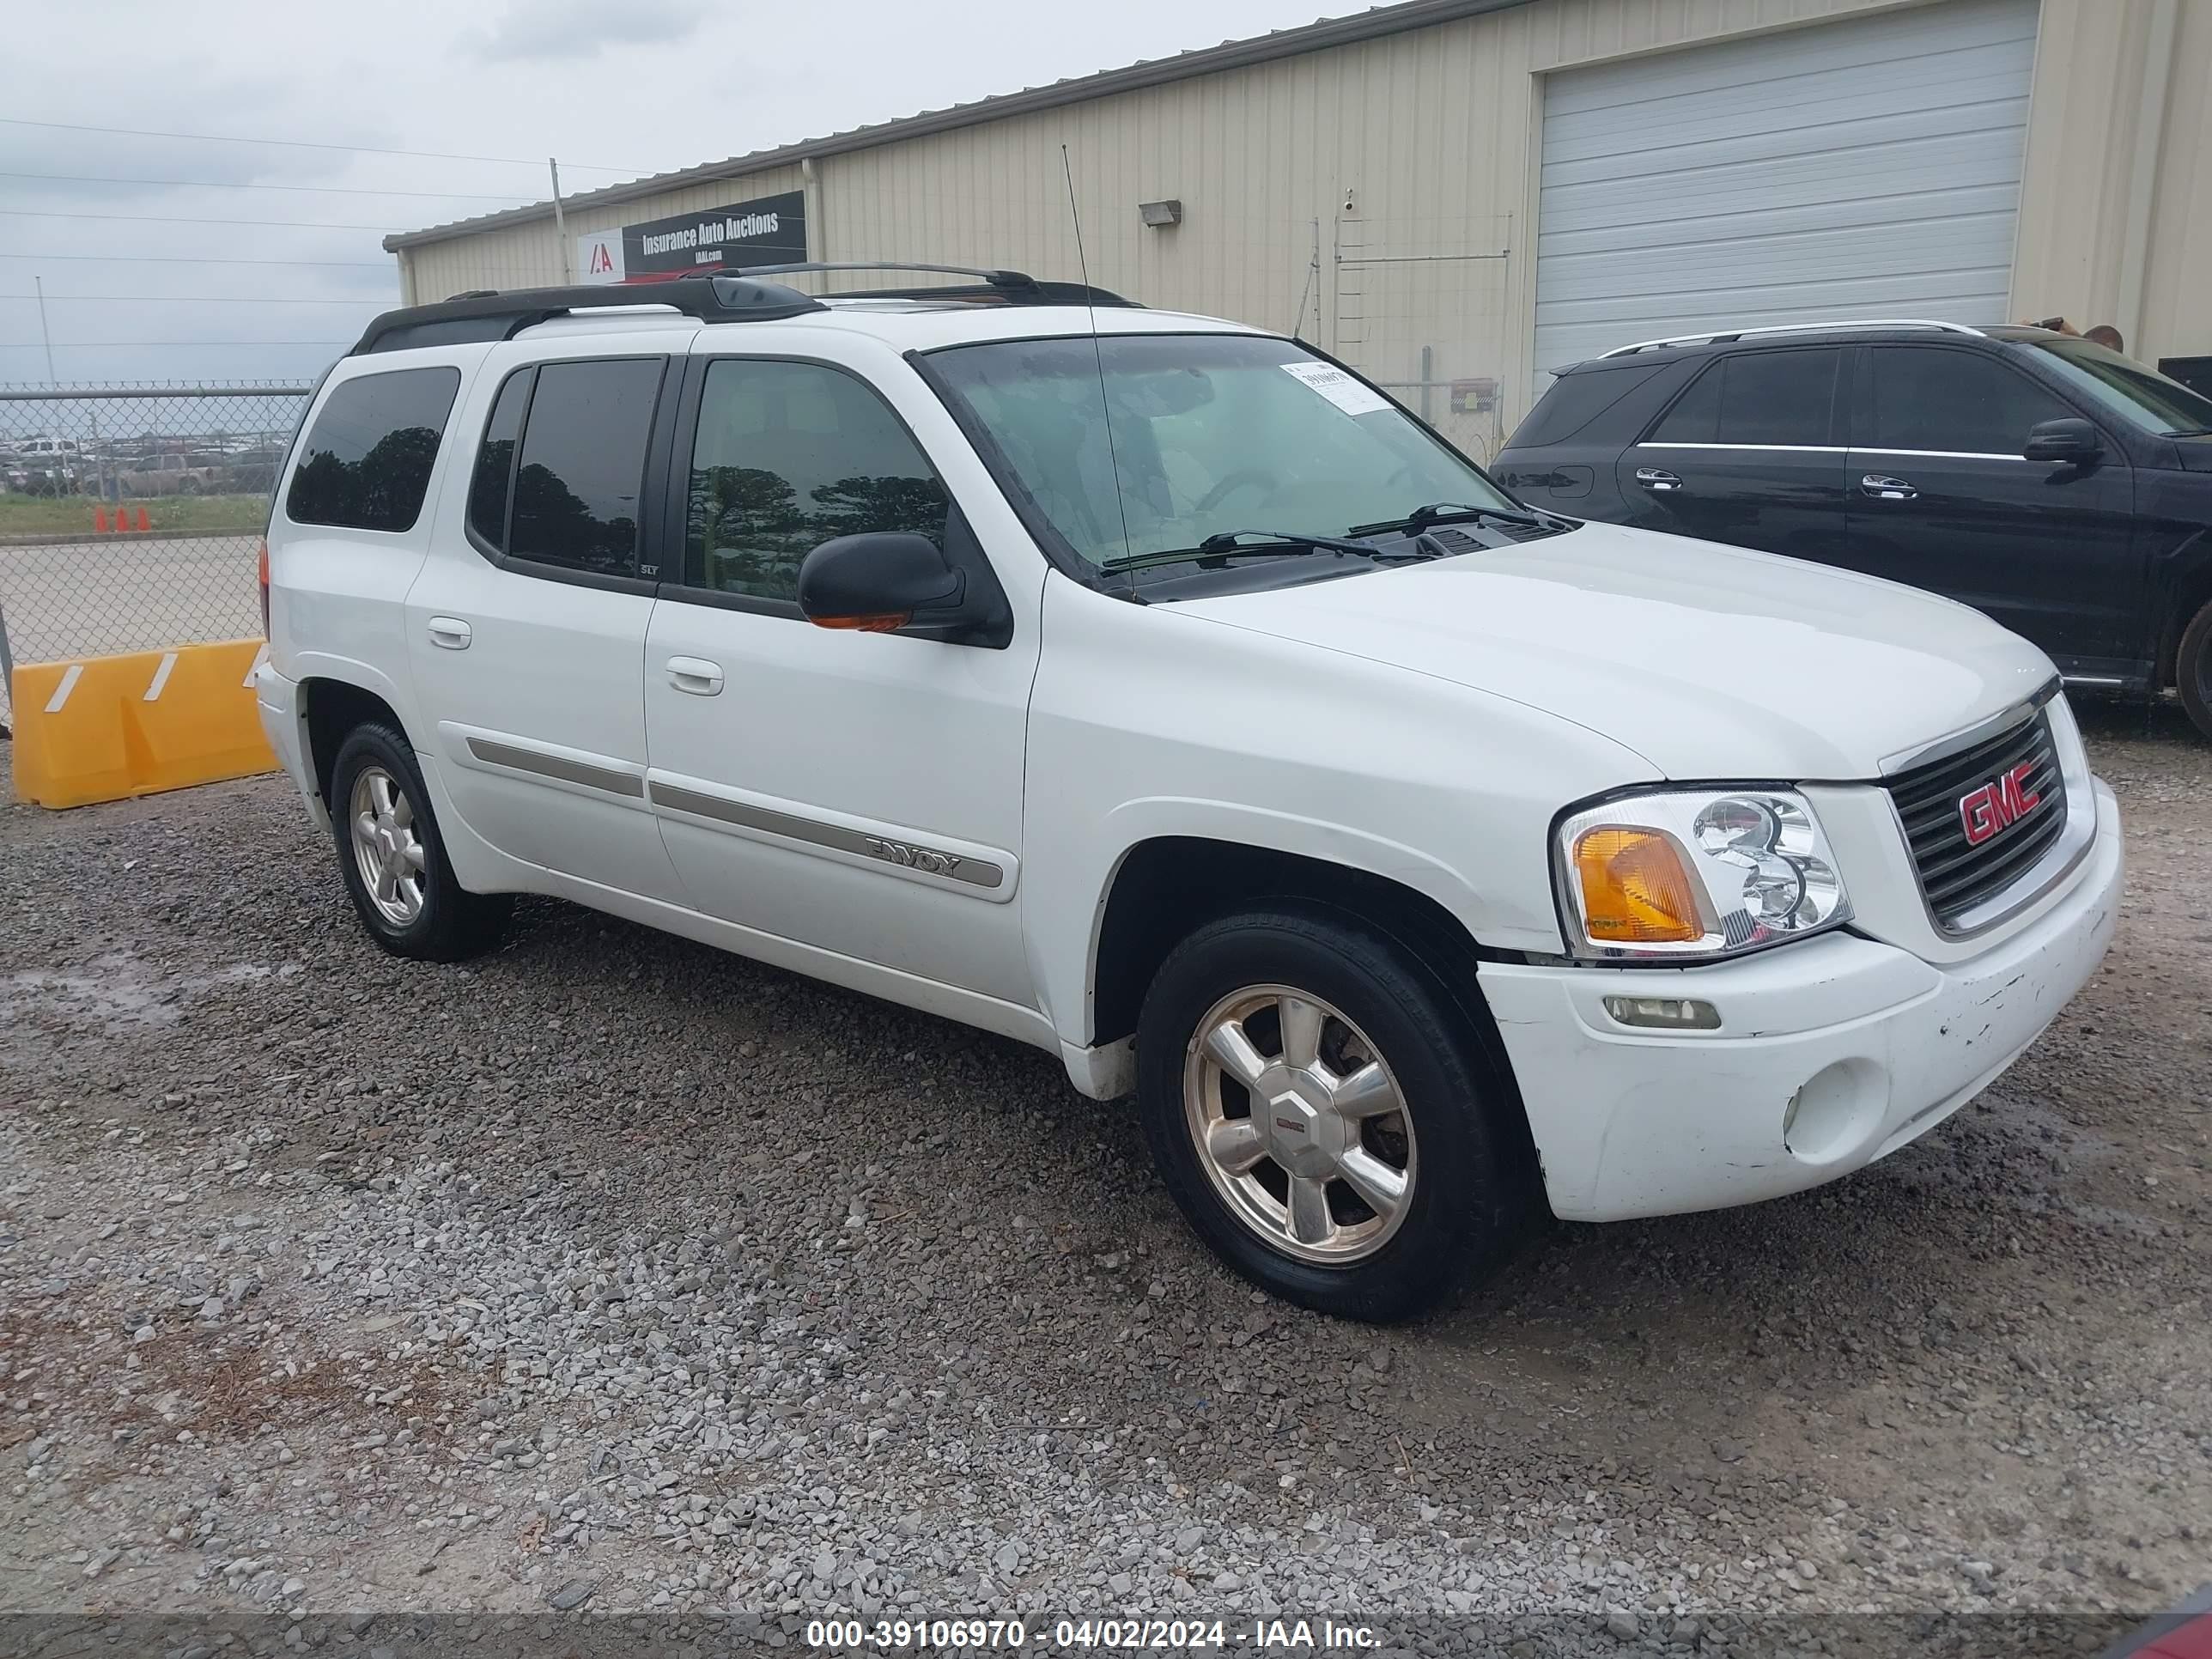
1427 133
2096 73
2177 304
1870 167
1431 131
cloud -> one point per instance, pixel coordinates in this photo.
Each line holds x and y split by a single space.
552 30
209 291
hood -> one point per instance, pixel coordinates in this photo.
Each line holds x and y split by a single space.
1711 662
2194 453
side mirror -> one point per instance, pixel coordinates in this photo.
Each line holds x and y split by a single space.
2069 442
882 581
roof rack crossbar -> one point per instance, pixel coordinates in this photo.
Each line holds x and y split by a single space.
1046 292
1716 336
1015 288
995 279
482 314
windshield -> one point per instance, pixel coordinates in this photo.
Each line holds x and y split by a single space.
1210 432
2142 397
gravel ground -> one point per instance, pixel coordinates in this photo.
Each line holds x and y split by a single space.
613 1273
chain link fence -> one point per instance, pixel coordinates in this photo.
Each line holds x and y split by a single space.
129 515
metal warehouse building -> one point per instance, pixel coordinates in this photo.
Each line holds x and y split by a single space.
1457 194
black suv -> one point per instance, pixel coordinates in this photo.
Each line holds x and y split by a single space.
2063 489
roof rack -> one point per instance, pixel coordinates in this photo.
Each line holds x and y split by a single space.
484 314
1788 328
1008 287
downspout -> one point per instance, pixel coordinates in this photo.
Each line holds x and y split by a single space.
809 185
560 272
2142 174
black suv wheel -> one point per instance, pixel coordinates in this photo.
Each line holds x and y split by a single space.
2192 670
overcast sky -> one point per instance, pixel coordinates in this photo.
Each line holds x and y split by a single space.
613 88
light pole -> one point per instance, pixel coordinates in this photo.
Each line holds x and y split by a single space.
38 286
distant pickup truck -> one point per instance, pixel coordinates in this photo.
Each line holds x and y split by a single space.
186 473
43 466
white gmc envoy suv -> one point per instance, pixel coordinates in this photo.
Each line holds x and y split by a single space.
1155 690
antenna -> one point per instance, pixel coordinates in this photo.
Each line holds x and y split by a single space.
1098 351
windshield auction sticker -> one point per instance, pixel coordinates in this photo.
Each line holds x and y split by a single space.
1338 387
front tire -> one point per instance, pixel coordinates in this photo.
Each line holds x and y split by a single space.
392 860
2192 670
1322 1114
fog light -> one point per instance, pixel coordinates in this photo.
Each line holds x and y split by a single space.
1665 1013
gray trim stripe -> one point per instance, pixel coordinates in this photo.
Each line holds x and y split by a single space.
557 766
976 872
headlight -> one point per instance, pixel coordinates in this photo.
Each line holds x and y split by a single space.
1691 874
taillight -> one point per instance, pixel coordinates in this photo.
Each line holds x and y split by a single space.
262 561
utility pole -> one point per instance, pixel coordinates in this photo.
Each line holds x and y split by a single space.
563 276
38 286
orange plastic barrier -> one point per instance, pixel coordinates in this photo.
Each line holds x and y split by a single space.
106 728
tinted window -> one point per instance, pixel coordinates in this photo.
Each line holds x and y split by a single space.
366 462
1757 398
1925 397
494 474
1576 400
583 465
788 455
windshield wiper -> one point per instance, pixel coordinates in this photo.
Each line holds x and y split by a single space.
1223 545
2188 432
1452 512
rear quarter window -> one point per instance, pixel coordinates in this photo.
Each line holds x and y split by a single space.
1576 400
367 459
1781 398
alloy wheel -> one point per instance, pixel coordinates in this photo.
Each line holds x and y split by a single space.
1299 1124
387 848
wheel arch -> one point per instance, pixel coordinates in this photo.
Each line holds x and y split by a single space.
2189 590
1166 886
332 707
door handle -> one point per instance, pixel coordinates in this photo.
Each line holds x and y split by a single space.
450 633
696 675
1886 489
1658 477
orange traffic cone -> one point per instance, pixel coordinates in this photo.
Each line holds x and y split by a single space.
145 523
99 521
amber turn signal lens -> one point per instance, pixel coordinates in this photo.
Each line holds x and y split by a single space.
885 623
1635 888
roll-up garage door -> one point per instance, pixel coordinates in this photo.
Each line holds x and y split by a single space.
1868 168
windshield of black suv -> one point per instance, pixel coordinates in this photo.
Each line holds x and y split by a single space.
2141 397
1209 434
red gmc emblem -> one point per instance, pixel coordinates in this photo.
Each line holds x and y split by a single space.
1998 805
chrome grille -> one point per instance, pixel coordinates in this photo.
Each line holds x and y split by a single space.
1957 874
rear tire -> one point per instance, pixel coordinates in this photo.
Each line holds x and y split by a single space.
1366 1085
393 860
2192 670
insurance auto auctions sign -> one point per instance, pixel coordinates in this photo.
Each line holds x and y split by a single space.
769 231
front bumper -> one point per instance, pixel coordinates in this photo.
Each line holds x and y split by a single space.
1858 1046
